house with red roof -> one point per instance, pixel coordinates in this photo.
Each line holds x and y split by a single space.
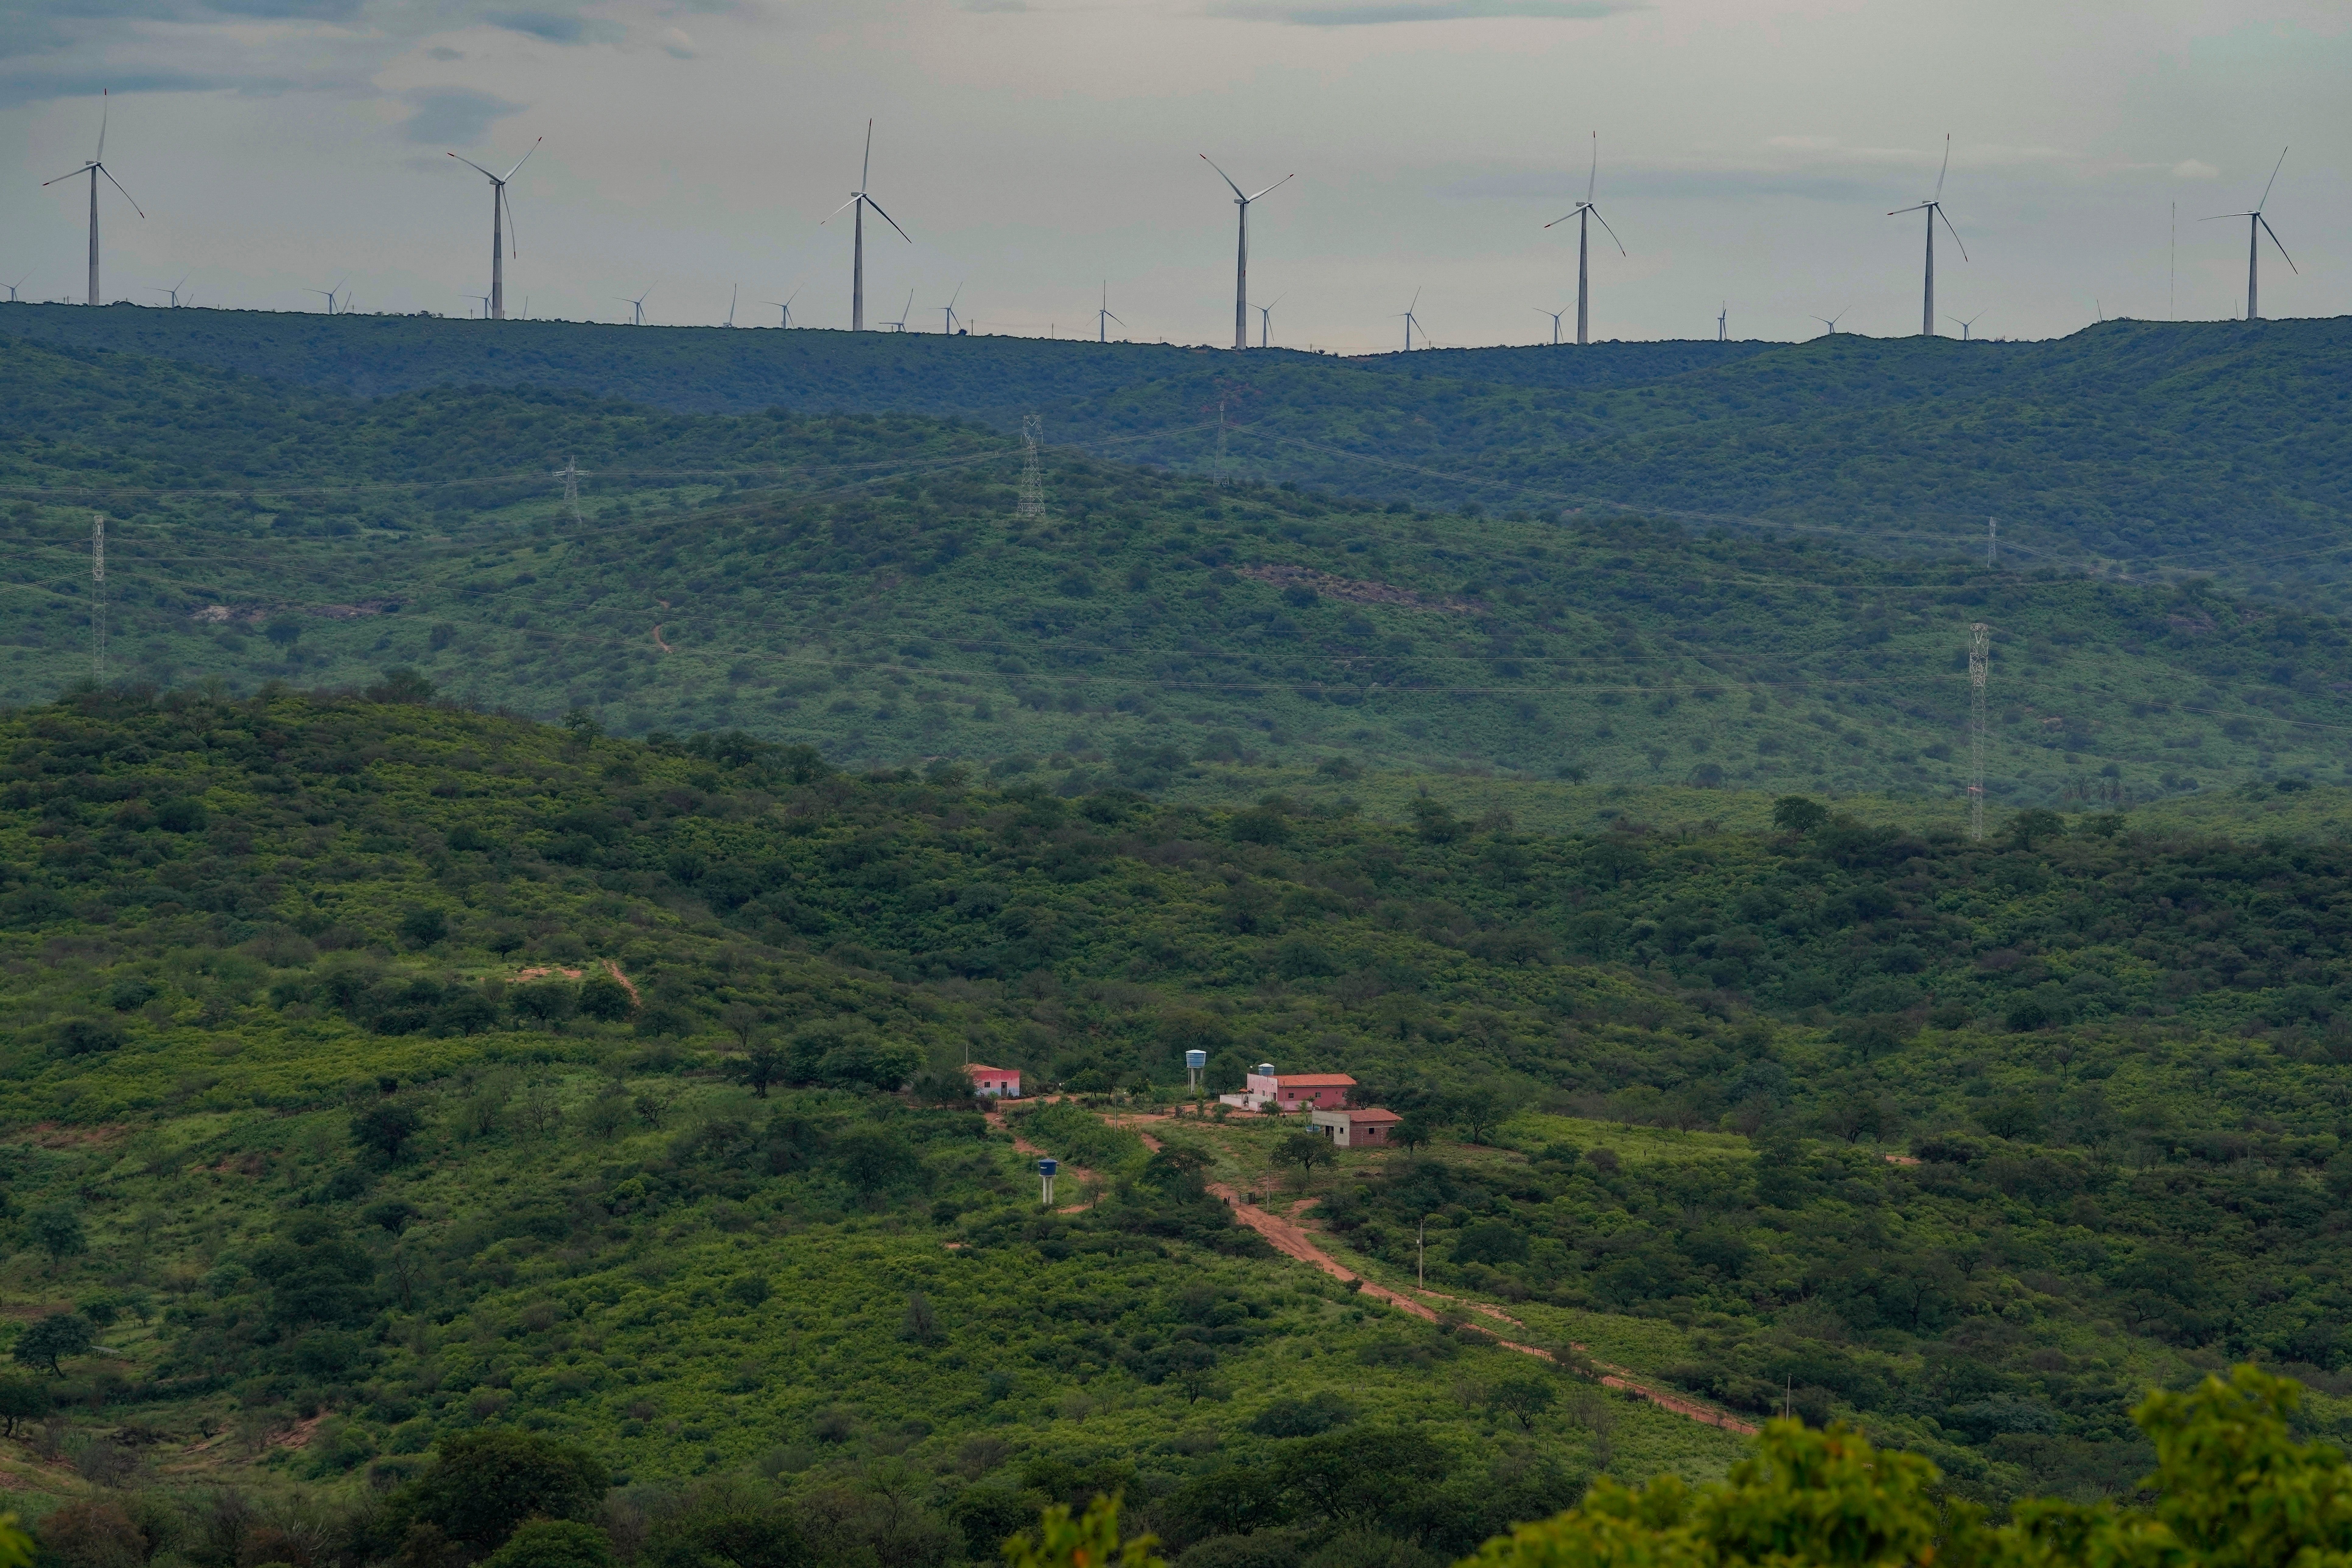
1291 1091
995 1082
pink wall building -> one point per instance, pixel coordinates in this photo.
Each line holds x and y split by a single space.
995 1082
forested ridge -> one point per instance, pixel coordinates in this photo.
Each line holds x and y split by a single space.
862 584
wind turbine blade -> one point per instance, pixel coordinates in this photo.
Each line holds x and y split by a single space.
2274 240
1950 230
477 168
106 111
888 219
514 234
1592 179
1228 179
956 295
521 160
1277 186
1611 233
839 210
1918 207
1564 217
69 174
134 206
1114 315
865 169
2217 218
2258 206
1945 169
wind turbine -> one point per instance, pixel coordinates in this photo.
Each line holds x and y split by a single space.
1266 318
173 291
905 310
1723 322
861 201
948 316
1411 321
1103 317
1967 324
1555 316
637 307
1241 254
2257 227
501 213
1832 321
1585 211
1934 208
785 305
326 294
94 168
486 305
13 287
733 293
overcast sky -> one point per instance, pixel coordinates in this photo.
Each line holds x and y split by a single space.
1035 148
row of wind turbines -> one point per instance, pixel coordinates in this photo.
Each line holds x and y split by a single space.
1585 213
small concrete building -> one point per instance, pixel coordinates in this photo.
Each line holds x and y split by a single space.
1291 1092
996 1083
1370 1128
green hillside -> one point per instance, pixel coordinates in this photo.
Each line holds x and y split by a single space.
376 1073
864 585
2140 449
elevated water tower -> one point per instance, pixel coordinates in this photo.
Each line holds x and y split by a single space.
1045 1170
1195 1063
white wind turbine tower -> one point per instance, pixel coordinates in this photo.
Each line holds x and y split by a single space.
1723 322
501 213
174 292
637 307
20 282
1971 321
1934 208
948 312
1411 321
1555 316
1241 253
1266 318
785 305
861 201
1584 211
94 168
1103 317
2257 226
1832 321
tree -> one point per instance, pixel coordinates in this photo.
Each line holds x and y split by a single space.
423 926
284 631
546 1003
1305 1150
1796 815
1477 1110
21 1399
554 1543
94 1534
56 1231
47 1341
1090 1540
484 1483
762 1064
1521 1398
739 1019
1413 1131
384 1129
605 999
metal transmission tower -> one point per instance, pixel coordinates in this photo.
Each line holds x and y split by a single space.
570 474
1979 649
1033 467
97 598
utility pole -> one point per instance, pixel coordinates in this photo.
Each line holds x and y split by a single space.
1032 471
97 597
570 474
1980 651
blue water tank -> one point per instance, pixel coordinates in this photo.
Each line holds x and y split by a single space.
1196 1059
1048 1166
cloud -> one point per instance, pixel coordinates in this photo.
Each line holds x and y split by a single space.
447 115
2195 169
554 26
678 45
1372 13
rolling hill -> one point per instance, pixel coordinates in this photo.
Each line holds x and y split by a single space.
861 583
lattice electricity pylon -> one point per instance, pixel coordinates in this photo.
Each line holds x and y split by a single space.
97 598
1033 467
570 474
1979 657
